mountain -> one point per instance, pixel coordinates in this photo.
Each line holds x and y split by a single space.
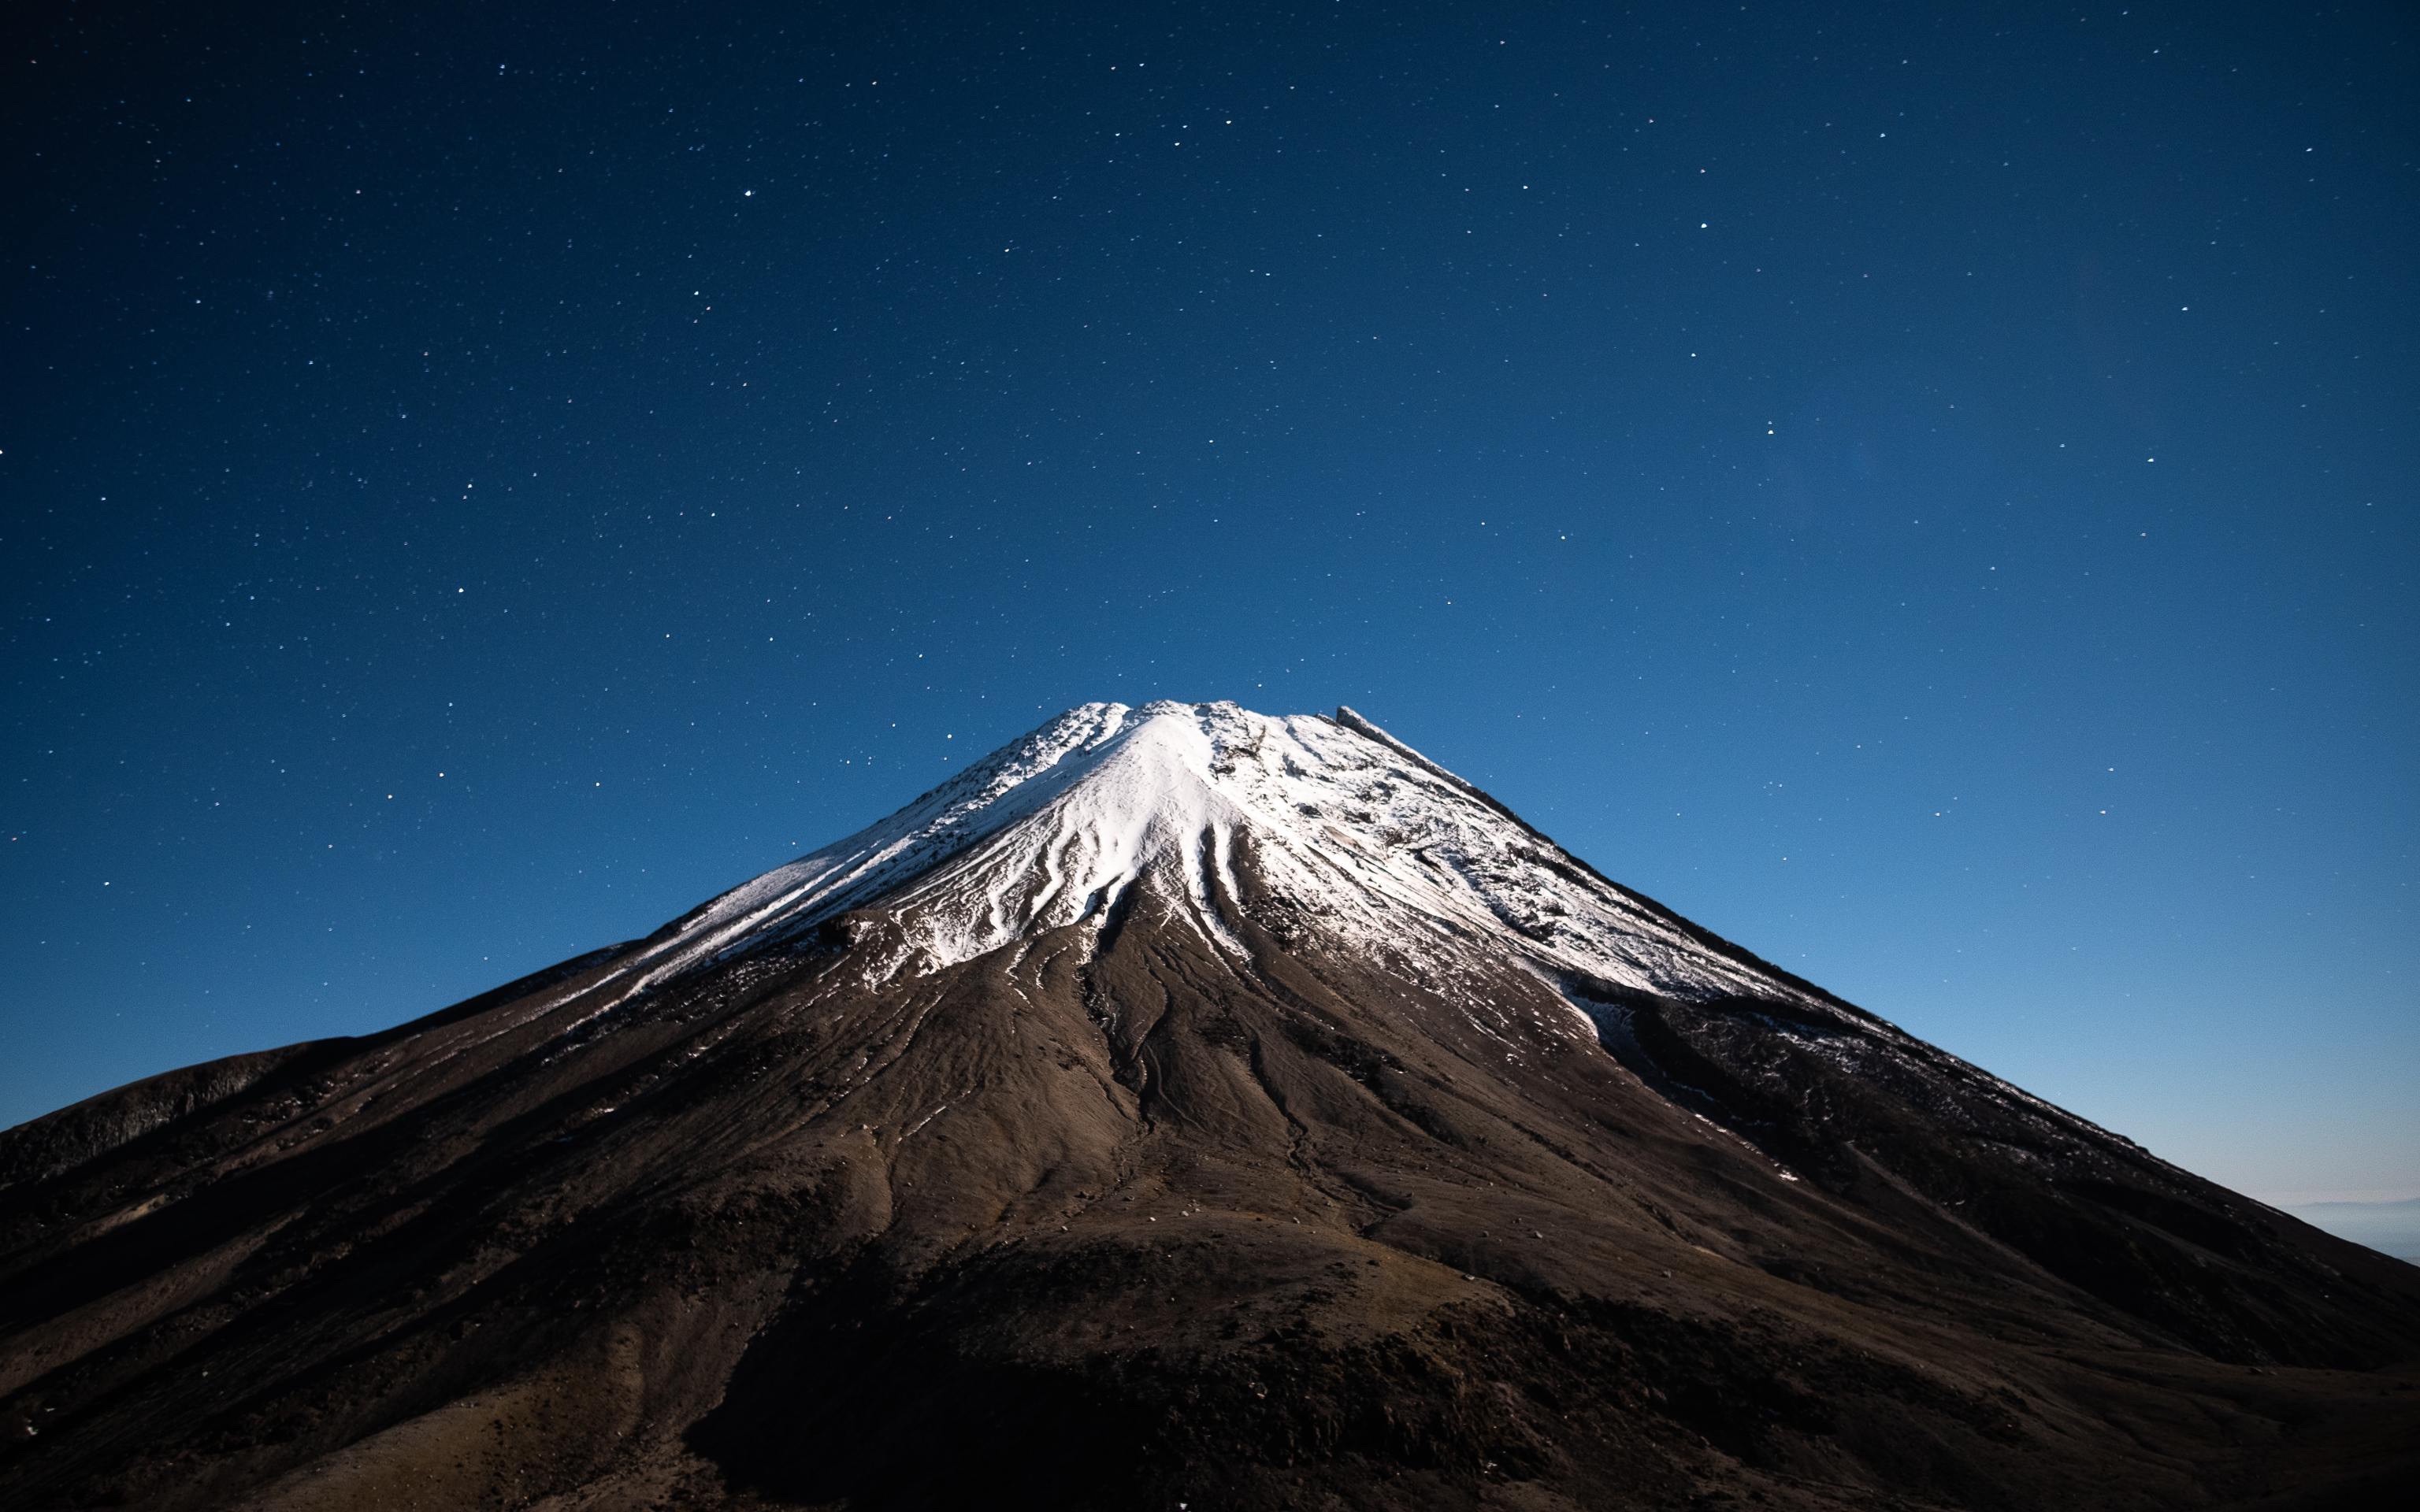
1182 1108
2390 1227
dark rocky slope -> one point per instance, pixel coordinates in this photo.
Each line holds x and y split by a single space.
1144 1210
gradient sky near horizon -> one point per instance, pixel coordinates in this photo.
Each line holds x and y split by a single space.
1926 491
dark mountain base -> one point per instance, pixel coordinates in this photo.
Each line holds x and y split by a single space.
1110 1220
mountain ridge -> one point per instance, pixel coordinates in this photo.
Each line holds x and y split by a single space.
1183 1104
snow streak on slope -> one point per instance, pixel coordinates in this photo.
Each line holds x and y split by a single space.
1363 840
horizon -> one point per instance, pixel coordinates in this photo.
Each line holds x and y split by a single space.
1929 502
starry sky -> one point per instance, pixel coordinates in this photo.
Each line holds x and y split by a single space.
1924 490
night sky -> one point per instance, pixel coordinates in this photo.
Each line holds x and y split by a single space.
1926 491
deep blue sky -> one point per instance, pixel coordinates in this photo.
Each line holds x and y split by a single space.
1927 491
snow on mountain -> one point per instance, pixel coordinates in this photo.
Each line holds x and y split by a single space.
1371 843
1182 1102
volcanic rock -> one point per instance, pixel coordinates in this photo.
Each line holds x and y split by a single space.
1181 1107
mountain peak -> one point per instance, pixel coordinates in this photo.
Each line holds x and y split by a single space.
1340 824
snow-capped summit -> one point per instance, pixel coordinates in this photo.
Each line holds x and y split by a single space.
1341 824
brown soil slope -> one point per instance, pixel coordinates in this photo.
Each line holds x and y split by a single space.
1122 1215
